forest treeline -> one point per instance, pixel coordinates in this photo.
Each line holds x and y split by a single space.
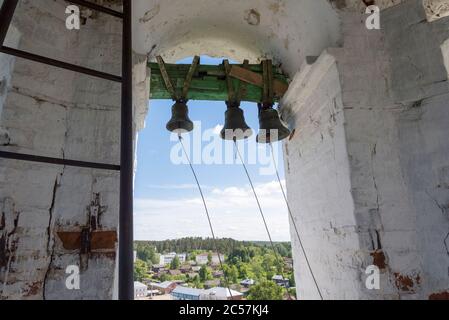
226 246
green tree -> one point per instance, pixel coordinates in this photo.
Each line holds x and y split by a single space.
231 272
209 258
266 290
205 273
140 270
175 263
291 279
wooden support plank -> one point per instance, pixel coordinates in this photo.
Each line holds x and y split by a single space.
188 80
166 78
280 88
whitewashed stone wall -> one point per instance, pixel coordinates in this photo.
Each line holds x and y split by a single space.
57 113
367 166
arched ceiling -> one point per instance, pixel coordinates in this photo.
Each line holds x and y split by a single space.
285 30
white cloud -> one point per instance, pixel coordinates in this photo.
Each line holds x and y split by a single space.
234 213
217 129
176 186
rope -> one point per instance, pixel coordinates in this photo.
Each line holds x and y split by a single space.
260 210
207 213
294 224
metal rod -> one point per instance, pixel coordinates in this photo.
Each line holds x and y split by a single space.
59 64
97 7
126 259
58 161
6 14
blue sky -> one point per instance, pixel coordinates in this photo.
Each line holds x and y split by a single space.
167 202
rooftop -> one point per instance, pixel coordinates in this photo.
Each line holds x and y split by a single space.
139 285
187 291
163 285
222 292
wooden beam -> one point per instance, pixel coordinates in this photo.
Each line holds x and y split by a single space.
209 82
280 88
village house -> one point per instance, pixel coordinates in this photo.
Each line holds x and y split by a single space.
185 268
196 268
218 274
157 267
203 258
212 283
185 293
140 290
281 281
220 293
174 272
165 259
165 287
215 293
247 283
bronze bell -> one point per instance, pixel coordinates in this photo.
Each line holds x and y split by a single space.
271 127
180 121
235 127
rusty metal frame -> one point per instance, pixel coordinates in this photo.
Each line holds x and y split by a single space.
126 265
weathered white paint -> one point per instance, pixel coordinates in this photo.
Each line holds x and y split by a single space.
367 167
52 112
287 30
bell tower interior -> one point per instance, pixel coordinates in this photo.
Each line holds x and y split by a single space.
366 155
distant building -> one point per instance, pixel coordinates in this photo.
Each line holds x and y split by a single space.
184 293
220 293
216 293
196 268
211 283
135 256
281 281
218 274
203 258
247 283
140 290
164 287
165 259
174 272
185 268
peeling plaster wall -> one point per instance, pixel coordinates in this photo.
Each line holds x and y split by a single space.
395 119
318 183
57 113
6 69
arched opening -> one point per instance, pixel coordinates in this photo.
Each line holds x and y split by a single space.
168 204
238 30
